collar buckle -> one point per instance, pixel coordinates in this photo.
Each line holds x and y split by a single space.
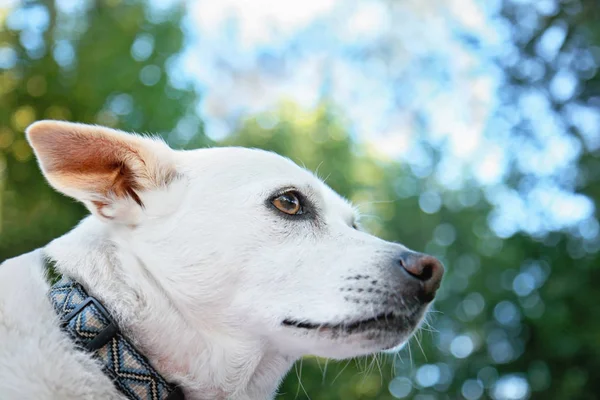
101 338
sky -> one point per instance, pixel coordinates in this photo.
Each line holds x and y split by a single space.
350 52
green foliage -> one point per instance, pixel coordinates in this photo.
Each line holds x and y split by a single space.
523 305
95 80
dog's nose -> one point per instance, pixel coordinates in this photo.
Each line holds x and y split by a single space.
424 268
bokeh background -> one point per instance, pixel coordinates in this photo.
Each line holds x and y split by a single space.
469 129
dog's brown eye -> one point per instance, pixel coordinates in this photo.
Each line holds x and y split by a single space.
288 203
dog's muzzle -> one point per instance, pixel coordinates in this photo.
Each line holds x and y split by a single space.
396 302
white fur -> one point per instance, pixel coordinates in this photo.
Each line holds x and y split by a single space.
200 279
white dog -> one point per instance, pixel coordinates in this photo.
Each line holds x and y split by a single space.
222 267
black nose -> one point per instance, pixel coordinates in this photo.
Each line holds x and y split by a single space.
424 268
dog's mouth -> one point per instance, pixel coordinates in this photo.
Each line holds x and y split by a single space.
382 322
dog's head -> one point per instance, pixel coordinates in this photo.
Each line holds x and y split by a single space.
244 240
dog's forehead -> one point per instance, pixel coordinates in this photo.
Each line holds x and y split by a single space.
237 166
242 164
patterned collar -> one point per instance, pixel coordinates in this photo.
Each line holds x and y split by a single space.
90 326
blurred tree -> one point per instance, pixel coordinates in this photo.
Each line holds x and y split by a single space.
99 62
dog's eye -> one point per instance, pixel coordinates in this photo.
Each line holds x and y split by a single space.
288 203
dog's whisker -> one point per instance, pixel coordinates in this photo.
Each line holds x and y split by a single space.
299 376
379 368
340 373
372 364
416 336
327 177
359 366
369 360
410 357
325 370
317 169
369 365
428 327
367 369
319 364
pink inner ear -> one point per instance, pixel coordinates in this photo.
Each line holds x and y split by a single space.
90 159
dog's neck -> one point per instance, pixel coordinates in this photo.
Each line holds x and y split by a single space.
210 362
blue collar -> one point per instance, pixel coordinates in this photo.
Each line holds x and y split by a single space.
91 327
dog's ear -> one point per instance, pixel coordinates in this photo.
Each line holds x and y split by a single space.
105 169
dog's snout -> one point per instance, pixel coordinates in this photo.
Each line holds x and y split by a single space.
424 268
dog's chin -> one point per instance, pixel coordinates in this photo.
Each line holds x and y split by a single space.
355 336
